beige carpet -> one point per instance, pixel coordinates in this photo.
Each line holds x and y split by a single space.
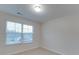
38 51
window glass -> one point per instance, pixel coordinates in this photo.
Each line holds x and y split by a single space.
13 33
18 33
27 33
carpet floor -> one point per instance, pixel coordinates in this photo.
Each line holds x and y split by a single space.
38 51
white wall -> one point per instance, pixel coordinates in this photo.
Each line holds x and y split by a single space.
10 49
62 35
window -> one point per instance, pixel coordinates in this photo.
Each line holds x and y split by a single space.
18 33
27 33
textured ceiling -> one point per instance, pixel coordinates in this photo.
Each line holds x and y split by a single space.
49 11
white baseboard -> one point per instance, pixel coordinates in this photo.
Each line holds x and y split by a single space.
57 52
17 52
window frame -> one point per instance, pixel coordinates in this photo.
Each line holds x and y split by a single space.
22 42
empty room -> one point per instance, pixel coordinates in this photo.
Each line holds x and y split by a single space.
39 29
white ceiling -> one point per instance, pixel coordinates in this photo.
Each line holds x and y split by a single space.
50 11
